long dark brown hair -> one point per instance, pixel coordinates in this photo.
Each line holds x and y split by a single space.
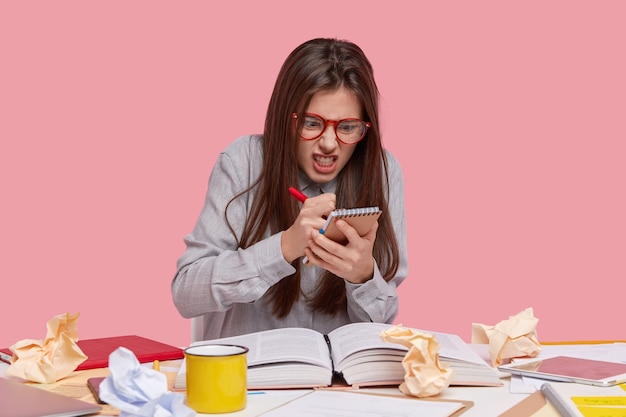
320 65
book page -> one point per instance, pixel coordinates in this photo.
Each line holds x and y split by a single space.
355 337
453 347
281 345
469 368
287 348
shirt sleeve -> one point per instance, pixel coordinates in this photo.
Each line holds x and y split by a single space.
377 300
214 273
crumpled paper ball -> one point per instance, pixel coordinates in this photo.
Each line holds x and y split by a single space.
140 391
424 374
51 359
515 337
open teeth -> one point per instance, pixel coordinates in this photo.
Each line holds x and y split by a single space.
325 160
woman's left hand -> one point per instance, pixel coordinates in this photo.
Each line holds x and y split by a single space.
352 262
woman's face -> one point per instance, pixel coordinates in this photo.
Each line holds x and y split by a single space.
323 158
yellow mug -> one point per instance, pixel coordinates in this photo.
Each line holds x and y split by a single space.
216 378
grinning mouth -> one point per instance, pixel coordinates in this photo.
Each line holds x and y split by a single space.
325 160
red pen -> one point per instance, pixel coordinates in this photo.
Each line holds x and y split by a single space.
297 194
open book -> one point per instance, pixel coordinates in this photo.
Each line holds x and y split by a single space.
304 358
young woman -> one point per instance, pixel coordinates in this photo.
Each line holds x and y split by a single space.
242 268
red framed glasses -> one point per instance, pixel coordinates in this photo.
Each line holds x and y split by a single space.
348 131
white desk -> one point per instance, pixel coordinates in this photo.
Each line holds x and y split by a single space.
488 401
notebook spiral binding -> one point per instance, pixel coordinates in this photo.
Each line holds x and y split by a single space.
355 212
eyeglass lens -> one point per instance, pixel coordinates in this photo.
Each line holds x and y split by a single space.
347 130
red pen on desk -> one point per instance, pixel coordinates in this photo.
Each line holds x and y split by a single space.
297 194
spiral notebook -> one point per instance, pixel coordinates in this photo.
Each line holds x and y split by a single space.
361 219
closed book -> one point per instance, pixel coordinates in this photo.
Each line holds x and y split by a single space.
98 350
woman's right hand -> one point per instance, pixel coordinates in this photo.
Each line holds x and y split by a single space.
310 220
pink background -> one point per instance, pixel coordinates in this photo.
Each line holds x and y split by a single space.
508 119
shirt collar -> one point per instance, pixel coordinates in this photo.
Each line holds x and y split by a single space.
312 189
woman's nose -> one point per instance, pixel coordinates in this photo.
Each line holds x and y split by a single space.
328 140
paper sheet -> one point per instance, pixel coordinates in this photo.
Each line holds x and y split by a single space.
139 391
511 338
324 403
424 374
51 359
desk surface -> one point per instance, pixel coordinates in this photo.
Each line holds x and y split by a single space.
488 401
